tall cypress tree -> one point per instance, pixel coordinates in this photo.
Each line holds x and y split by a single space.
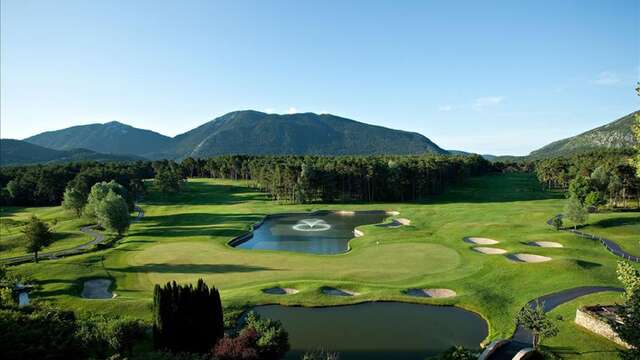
187 319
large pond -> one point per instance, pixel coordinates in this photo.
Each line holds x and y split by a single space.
378 330
317 233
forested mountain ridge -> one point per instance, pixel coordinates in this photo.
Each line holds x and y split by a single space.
18 152
256 133
244 132
109 138
615 135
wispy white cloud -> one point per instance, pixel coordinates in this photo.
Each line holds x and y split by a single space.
488 101
292 110
445 108
606 78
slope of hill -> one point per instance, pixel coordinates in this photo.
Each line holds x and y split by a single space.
613 135
109 138
253 132
18 152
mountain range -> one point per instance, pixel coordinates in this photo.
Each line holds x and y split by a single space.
258 133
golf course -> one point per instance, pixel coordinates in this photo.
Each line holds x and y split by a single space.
185 236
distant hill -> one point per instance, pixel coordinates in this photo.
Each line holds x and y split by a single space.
18 152
616 135
110 138
253 132
244 132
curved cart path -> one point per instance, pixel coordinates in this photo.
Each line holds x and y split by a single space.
610 245
98 238
523 338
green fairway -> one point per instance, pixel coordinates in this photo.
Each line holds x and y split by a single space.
184 237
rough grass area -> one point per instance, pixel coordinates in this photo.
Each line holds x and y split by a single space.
184 237
66 226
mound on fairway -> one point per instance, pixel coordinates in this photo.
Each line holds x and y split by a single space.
338 292
280 291
489 251
480 241
97 289
528 258
431 293
546 244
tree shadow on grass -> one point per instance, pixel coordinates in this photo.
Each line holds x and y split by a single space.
190 268
621 221
198 193
587 264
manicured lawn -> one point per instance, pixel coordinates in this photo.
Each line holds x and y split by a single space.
623 228
184 237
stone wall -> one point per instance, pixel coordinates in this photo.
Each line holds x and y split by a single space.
597 325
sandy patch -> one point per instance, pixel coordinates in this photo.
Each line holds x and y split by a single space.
393 213
280 291
480 241
546 244
346 212
338 292
97 289
489 251
358 233
529 258
432 293
403 221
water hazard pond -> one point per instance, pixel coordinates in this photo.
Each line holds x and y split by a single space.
317 233
378 330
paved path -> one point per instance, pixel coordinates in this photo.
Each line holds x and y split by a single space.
98 238
610 245
523 338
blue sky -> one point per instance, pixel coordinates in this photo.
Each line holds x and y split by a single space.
501 77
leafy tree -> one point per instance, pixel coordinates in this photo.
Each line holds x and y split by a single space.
273 340
535 320
457 353
37 235
579 188
557 222
592 201
242 347
629 276
121 334
98 192
629 327
7 300
168 178
576 212
113 214
321 355
636 131
74 200
187 318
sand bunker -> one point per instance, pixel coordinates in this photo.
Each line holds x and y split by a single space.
280 291
358 233
338 292
529 258
345 212
393 213
489 251
97 289
431 293
546 244
480 241
403 221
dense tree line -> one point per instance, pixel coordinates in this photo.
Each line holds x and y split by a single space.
595 178
42 185
319 178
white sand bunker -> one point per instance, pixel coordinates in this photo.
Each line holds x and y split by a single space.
346 212
546 244
480 241
338 292
358 233
97 289
489 251
280 291
403 221
431 293
393 213
529 258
